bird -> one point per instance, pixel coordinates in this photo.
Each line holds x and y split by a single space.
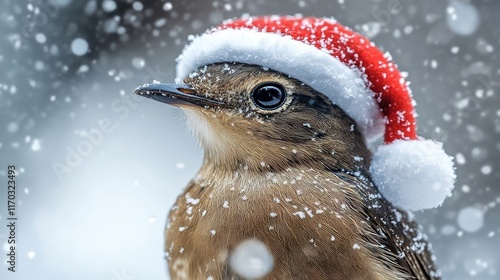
289 188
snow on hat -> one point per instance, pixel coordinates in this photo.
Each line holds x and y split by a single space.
409 171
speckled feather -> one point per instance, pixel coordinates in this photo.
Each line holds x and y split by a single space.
307 163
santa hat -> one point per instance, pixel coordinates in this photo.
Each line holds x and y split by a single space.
409 171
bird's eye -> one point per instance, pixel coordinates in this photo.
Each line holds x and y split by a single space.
269 96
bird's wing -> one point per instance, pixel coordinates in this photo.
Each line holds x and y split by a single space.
397 231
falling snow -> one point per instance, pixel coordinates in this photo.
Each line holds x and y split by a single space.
35 146
251 259
138 62
79 46
462 17
69 65
167 6
108 5
31 254
300 214
470 219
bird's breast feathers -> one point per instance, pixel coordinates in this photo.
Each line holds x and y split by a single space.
311 222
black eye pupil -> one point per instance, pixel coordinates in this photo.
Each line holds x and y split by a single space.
269 96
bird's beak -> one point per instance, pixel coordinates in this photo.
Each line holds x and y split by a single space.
175 94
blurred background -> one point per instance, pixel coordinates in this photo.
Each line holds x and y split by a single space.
98 169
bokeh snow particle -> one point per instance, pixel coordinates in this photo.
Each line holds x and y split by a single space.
465 188
90 8
110 25
83 69
6 247
462 18
479 153
31 254
251 259
460 159
109 5
160 22
486 170
167 6
484 47
35 146
138 62
470 219
12 127
138 6
79 46
40 38
39 66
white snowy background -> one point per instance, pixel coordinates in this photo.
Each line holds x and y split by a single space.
68 69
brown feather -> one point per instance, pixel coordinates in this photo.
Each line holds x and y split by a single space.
306 162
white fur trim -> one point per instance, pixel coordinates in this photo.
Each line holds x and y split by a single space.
413 175
323 72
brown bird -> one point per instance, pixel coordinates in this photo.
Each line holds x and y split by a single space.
285 190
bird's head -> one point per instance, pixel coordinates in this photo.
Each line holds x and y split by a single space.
247 116
331 89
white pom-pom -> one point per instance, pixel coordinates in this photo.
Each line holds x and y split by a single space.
413 175
251 259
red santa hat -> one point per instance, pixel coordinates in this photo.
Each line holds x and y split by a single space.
409 171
